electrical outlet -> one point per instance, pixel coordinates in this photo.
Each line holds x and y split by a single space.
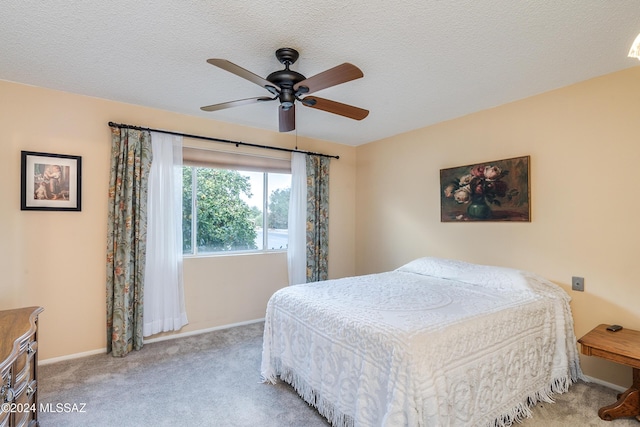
577 283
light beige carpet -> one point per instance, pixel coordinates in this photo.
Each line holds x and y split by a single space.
578 407
213 379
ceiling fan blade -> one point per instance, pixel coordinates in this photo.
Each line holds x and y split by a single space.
239 102
333 76
335 107
287 118
245 74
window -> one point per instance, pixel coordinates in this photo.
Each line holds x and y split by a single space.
227 209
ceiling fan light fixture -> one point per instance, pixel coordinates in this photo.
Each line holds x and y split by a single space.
634 52
302 90
309 102
272 89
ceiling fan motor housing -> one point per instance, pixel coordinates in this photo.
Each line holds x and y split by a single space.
285 79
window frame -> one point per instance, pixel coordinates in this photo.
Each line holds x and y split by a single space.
241 162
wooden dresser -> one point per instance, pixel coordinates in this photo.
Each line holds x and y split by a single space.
19 367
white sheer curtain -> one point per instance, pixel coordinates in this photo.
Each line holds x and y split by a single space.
164 308
297 250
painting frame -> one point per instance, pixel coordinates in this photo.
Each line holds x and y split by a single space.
492 191
50 182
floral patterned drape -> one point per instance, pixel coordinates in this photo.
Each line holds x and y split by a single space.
317 218
126 239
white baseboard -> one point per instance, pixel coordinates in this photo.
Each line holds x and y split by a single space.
202 331
604 383
149 341
72 356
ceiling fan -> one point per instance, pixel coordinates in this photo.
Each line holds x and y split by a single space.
289 86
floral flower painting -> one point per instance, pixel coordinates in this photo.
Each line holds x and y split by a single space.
489 191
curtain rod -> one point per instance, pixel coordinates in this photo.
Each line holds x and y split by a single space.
227 141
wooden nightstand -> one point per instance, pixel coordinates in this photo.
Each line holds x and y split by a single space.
620 347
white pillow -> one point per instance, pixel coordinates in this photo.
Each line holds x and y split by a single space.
501 278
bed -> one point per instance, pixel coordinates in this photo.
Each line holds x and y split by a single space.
435 342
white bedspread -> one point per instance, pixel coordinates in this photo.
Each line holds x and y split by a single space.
434 343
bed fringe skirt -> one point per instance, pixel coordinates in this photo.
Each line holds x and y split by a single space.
309 395
523 409
338 419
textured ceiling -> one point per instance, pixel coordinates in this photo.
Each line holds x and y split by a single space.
424 61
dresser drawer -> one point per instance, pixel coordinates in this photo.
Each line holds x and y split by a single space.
22 367
22 364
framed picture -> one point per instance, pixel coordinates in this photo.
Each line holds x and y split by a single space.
50 182
489 191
